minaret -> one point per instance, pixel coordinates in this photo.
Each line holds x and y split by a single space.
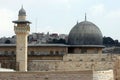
22 30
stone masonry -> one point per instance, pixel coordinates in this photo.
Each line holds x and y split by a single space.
70 75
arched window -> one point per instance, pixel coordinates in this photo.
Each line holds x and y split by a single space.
70 59
81 60
92 60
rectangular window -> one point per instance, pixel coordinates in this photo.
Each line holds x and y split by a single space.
83 50
96 50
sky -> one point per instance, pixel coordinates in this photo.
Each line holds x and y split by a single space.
60 16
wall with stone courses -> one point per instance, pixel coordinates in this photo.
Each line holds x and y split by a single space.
89 50
117 67
45 57
87 57
78 75
68 65
103 75
74 62
46 50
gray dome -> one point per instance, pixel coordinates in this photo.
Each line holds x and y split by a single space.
22 12
85 33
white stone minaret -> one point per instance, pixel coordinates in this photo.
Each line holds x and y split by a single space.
22 30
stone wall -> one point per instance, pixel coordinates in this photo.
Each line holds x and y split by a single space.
78 75
68 65
58 75
87 57
103 75
117 68
74 62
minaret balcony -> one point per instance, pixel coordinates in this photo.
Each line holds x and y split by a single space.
25 29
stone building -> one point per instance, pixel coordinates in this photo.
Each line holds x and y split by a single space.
83 52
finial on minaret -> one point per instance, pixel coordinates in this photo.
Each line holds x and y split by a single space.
85 17
22 12
22 6
21 16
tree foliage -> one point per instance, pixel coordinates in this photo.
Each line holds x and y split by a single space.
108 41
62 41
7 41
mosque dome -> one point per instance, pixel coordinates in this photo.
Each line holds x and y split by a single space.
85 33
22 12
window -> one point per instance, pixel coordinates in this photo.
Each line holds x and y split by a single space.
51 52
70 50
83 50
102 59
6 52
12 52
32 53
70 59
92 60
81 60
96 50
57 52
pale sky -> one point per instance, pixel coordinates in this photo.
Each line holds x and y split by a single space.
59 16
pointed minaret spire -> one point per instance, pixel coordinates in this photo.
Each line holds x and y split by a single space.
85 17
22 14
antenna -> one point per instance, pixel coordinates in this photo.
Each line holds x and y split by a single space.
77 22
36 25
22 6
85 17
